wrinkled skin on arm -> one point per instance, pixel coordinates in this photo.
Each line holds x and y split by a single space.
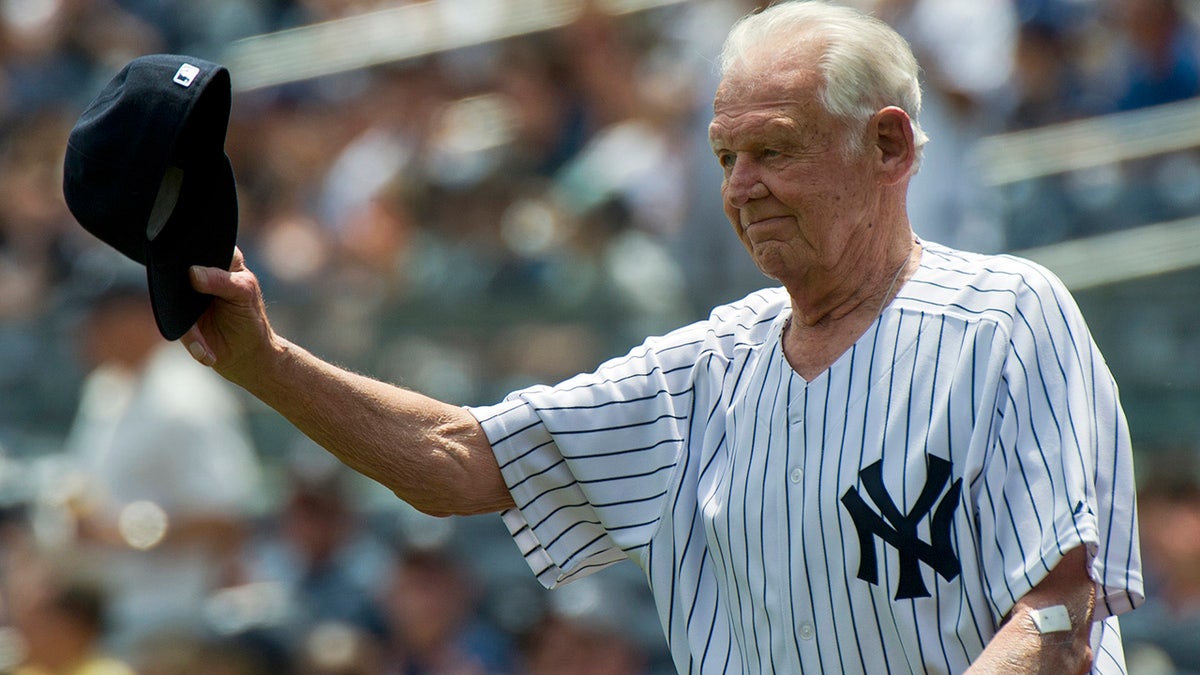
431 454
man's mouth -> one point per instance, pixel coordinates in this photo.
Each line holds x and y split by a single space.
758 223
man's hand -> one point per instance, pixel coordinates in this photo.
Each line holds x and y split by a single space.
235 328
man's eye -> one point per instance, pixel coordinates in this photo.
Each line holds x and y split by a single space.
768 153
726 159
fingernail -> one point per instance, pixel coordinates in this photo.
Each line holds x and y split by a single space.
198 352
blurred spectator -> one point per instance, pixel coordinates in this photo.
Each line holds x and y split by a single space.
63 630
562 645
318 549
53 52
551 122
34 221
1162 634
57 608
170 472
1051 64
601 625
1155 54
185 653
436 627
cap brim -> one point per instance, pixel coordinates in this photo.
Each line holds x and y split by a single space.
202 231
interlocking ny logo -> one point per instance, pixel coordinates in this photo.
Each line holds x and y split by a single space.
900 529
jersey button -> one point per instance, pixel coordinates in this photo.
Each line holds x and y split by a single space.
806 632
796 475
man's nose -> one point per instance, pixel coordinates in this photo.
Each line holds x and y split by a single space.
743 184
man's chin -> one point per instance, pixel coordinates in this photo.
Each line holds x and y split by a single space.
770 260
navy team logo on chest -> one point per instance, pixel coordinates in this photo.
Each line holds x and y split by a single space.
899 530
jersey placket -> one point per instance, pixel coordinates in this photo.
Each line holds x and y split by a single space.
796 483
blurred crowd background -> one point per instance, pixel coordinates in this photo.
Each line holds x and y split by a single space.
475 219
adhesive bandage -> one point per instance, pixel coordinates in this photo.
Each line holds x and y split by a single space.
1052 619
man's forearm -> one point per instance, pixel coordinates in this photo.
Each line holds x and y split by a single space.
1021 646
433 455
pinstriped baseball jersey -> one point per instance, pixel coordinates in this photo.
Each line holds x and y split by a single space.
882 518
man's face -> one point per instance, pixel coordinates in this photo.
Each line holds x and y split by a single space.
800 203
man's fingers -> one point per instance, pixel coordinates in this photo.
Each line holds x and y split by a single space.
204 279
216 281
235 316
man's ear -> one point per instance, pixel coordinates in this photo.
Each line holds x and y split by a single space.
893 136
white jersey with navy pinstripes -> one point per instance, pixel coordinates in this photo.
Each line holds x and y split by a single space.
882 518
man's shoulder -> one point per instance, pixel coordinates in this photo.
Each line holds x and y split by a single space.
752 317
955 275
729 328
977 264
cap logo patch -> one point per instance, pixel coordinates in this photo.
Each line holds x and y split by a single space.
186 75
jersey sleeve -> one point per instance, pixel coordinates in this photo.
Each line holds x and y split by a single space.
590 462
1060 471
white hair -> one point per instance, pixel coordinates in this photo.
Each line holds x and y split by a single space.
865 64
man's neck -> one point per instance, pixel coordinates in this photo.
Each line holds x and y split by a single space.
863 286
824 325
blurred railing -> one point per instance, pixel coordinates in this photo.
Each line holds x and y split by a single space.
399 33
1122 256
1009 159
1088 143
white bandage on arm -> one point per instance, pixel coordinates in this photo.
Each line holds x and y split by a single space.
1052 619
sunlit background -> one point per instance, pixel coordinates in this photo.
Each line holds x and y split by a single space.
469 196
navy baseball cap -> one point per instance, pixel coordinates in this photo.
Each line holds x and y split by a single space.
146 172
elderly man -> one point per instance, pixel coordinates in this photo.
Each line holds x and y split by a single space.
905 458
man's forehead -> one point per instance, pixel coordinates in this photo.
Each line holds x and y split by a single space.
773 109
760 108
770 87
767 120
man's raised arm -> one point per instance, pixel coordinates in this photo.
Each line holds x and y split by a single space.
433 455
